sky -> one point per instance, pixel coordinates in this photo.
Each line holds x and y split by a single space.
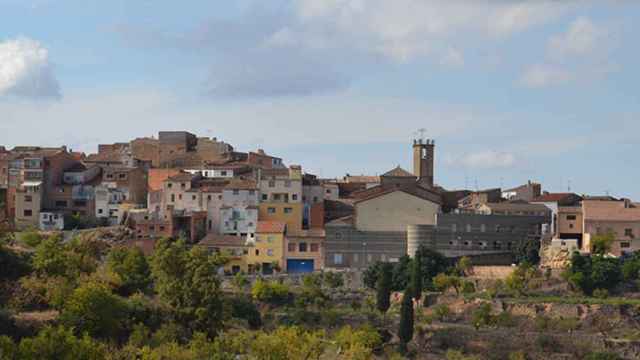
510 90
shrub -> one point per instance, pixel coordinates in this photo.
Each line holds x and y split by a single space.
245 309
546 342
270 292
518 355
481 316
468 287
601 293
333 280
30 238
357 343
441 312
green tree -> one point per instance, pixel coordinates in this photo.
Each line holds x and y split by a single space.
371 274
383 288
357 344
481 316
606 273
270 292
464 266
529 252
61 344
519 280
132 269
8 349
401 274
416 277
290 343
601 244
433 263
187 281
93 309
405 330
444 282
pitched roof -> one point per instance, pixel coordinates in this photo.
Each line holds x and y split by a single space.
516 206
553 197
271 227
183 176
214 240
380 190
239 184
398 172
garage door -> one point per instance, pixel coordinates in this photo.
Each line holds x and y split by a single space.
299 266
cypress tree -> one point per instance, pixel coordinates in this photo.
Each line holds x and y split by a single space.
405 330
416 277
383 288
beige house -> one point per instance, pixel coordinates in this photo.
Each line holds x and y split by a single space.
393 210
619 217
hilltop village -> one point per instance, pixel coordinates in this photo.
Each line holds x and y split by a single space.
273 216
181 247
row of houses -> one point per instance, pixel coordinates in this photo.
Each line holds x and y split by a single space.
267 216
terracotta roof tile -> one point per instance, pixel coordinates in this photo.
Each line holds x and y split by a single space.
214 240
271 227
552 197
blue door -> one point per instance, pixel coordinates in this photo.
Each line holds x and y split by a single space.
296 266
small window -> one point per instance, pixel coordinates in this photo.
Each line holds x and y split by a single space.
288 210
179 196
270 252
236 192
257 252
252 192
628 232
169 185
571 217
271 210
272 183
223 173
625 245
337 259
454 227
315 199
265 197
28 213
291 247
100 211
209 197
570 226
183 185
193 197
468 228
28 198
61 203
483 228
328 191
122 176
294 197
302 247
314 247
173 197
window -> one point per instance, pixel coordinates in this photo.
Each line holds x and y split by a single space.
288 210
483 228
169 185
625 245
571 217
183 185
100 211
468 228
110 176
315 199
257 252
209 197
294 197
80 203
265 197
272 183
454 227
223 173
291 247
28 213
161 227
271 210
236 192
28 198
179 196
61 203
328 191
173 197
314 248
270 252
277 197
252 192
628 232
193 197
122 176
302 247
337 259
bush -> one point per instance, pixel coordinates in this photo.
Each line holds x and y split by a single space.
468 287
441 312
270 292
30 238
333 280
603 356
481 316
601 293
546 342
245 309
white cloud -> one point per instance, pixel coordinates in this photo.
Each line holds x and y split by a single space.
487 159
542 75
452 58
578 54
26 71
582 38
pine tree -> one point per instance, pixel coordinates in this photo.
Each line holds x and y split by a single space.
405 330
383 287
416 278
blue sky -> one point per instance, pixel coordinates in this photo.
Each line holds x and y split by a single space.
511 90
